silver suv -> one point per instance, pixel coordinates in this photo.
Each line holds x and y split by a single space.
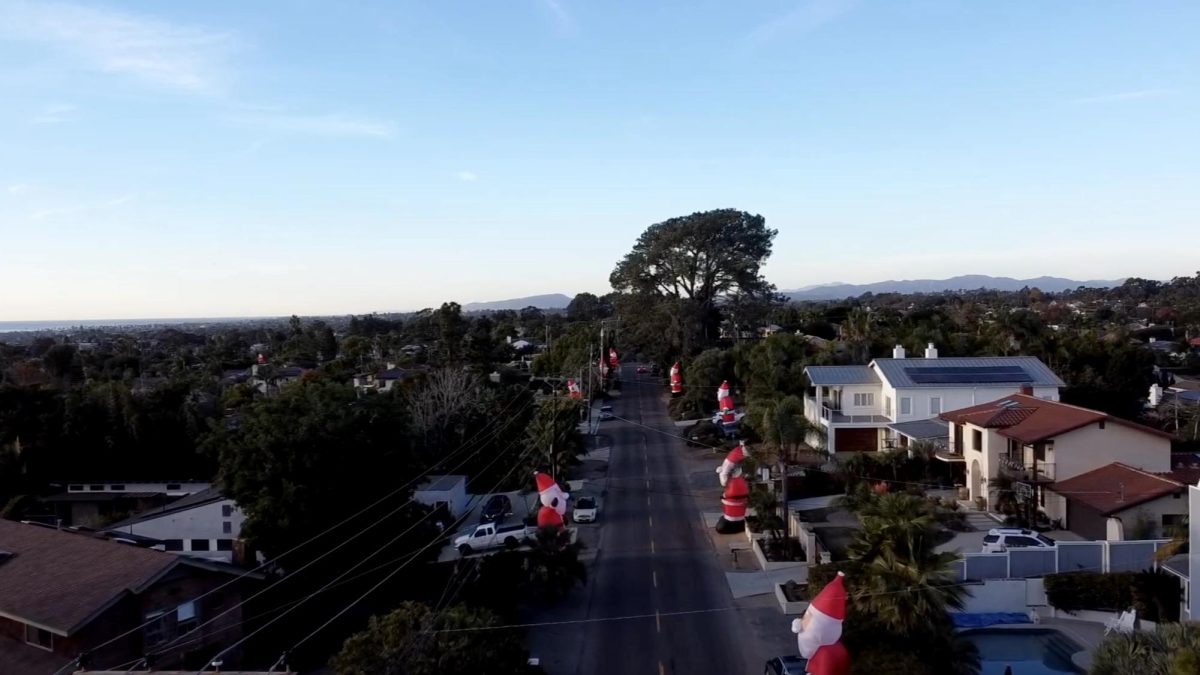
1000 539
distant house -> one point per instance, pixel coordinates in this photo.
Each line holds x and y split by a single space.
63 594
388 379
1118 502
202 525
268 380
863 408
1053 450
89 504
447 491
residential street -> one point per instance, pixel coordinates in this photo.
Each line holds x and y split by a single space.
653 560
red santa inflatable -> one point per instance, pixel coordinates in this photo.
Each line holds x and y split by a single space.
573 389
676 380
725 401
819 631
553 499
613 361
736 497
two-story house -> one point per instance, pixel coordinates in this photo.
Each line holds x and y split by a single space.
1096 473
889 402
202 525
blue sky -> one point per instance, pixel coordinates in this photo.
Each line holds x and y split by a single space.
232 158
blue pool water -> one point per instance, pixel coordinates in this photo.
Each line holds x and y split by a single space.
1030 651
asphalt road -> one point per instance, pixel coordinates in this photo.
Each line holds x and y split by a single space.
654 559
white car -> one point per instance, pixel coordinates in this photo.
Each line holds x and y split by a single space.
606 413
1000 539
737 417
585 510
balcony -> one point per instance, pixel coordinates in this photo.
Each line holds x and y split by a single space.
1028 472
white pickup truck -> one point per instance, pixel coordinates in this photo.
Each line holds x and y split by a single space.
494 535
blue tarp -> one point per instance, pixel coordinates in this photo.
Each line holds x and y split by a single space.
965 620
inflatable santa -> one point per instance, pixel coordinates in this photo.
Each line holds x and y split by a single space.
676 380
725 401
612 358
553 499
573 389
819 631
732 463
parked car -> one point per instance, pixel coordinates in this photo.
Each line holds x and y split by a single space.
1000 539
585 510
642 370
737 417
786 665
497 508
606 413
493 535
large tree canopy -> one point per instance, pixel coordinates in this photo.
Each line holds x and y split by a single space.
698 257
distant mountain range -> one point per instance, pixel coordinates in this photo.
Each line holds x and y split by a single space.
550 301
838 291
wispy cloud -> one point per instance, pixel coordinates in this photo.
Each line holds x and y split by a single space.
1134 95
155 51
807 16
332 125
467 176
563 21
106 205
53 114
18 188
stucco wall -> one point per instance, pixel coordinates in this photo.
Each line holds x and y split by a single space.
1082 450
202 522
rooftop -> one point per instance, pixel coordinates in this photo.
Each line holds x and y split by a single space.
970 371
59 581
441 483
922 429
1115 487
833 375
1030 419
201 498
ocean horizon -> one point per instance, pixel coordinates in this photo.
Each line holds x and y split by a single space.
69 324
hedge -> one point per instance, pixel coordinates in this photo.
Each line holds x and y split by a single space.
1155 595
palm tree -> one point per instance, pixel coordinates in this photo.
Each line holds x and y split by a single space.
552 565
909 594
1173 649
893 523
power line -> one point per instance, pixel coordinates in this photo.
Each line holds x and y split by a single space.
462 448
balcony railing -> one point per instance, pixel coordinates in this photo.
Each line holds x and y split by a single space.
1034 471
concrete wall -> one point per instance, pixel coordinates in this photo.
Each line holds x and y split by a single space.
1154 511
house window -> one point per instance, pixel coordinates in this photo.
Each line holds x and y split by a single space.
154 632
887 406
224 544
976 439
935 405
96 488
1101 425
905 405
173 544
174 486
185 618
864 400
227 510
117 488
226 527
199 544
74 488
1173 520
39 637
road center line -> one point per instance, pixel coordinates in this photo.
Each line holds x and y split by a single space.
650 519
657 622
652 546
654 577
661 669
647 483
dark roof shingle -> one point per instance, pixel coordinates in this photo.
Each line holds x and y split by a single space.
59 580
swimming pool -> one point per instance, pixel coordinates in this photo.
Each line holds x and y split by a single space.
1030 651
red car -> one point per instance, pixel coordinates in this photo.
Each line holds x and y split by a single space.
642 370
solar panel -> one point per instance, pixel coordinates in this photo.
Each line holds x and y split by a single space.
968 375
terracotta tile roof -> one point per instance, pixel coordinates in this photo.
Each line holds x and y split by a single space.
1030 419
60 580
1115 487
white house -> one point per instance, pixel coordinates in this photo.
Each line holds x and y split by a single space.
1084 467
866 408
448 491
201 525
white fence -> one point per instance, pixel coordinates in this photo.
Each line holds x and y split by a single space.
1067 556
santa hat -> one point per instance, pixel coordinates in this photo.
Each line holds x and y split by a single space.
736 455
544 482
831 601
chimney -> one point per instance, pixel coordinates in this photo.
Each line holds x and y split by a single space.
1027 390
897 352
930 351
1156 392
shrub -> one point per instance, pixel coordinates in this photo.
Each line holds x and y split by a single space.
1155 595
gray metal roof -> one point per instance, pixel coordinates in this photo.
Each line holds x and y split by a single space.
922 429
826 375
895 370
201 498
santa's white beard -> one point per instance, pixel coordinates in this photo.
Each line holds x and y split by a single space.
822 630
